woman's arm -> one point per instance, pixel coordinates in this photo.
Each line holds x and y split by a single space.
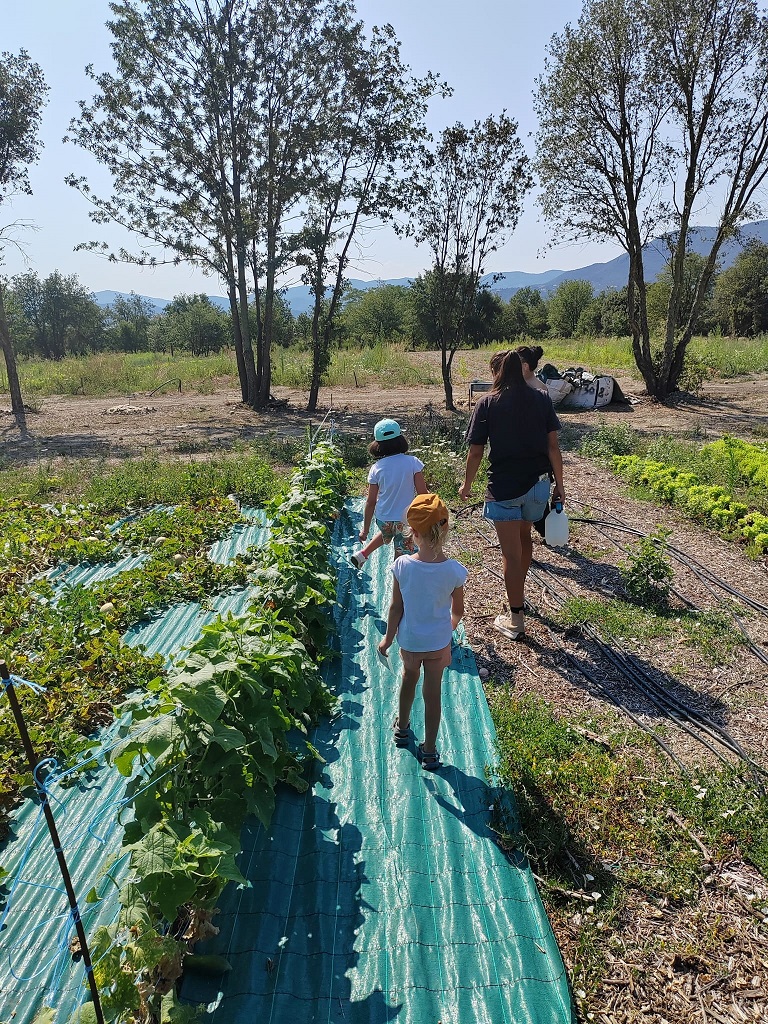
370 508
474 458
556 462
457 606
394 616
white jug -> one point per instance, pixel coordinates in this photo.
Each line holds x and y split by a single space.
556 526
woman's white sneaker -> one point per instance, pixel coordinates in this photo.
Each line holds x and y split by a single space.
511 626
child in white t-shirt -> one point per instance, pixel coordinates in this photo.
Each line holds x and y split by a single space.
393 481
427 605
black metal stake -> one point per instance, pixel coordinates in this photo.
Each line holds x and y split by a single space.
49 819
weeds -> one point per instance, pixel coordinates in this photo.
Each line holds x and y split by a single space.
647 575
605 823
709 633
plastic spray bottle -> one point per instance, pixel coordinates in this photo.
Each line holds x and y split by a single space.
556 526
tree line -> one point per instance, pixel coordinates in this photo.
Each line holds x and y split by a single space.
57 316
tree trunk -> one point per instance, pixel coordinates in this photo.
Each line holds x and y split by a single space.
17 403
317 356
445 365
234 312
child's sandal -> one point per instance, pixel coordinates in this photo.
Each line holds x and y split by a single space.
430 759
402 736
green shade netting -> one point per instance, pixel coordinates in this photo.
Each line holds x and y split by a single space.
381 893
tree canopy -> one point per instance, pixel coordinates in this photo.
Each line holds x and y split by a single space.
23 94
469 194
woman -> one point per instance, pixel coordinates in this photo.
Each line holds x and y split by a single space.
520 425
529 359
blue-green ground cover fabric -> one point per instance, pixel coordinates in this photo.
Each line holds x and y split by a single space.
36 965
381 893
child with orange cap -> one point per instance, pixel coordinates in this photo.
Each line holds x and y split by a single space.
427 605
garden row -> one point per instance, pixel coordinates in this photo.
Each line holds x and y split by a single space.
723 485
209 745
711 505
68 638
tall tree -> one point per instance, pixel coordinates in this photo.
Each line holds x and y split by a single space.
468 197
23 94
378 122
566 304
62 316
208 126
129 316
647 109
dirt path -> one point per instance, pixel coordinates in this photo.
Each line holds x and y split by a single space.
191 423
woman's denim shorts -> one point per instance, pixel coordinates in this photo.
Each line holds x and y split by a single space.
529 507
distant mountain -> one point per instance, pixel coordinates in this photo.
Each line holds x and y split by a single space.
107 298
612 274
615 273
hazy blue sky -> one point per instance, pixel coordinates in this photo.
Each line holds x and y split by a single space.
489 51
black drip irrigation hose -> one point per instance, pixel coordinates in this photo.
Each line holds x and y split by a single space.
708 578
689 561
684 716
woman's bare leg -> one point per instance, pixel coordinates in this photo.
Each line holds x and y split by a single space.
516 553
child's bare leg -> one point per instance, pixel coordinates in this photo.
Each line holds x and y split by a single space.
408 683
433 705
373 545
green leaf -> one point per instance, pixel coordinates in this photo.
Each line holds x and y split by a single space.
170 891
85 1014
263 799
124 762
207 702
155 853
265 737
227 737
161 735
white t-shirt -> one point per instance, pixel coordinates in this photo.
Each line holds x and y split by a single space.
426 588
394 474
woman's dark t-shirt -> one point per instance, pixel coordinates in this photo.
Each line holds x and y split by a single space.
516 423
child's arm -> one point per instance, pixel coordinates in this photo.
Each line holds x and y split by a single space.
394 616
457 606
420 483
370 508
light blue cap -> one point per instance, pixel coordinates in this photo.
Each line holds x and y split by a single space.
386 430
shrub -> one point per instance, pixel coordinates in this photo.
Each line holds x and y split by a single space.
608 440
647 575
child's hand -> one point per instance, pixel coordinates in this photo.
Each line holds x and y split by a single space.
363 536
465 491
383 647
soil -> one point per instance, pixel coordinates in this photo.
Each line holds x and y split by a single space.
700 963
188 422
